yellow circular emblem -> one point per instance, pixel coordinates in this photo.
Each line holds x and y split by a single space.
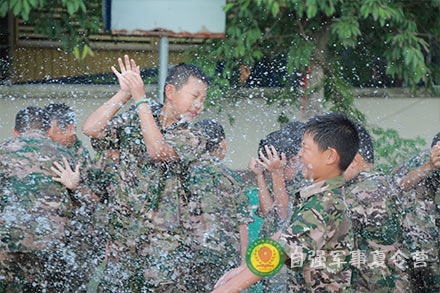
265 257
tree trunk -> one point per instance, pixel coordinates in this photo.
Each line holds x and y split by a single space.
312 103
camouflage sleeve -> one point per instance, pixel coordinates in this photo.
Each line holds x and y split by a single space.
82 157
188 143
258 211
314 225
373 212
271 224
101 176
401 171
243 207
113 132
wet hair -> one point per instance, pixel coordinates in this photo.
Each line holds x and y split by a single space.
179 75
336 131
294 132
366 148
435 140
31 118
295 128
286 140
212 131
62 114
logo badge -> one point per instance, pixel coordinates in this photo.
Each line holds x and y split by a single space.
265 257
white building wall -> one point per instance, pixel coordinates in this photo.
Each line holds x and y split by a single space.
410 116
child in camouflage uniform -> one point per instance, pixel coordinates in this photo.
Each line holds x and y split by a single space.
318 225
35 210
371 203
216 213
417 182
84 247
286 142
146 227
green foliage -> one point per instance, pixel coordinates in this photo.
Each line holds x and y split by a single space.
338 96
392 150
381 40
68 21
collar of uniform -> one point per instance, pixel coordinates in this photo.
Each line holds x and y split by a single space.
321 186
155 108
34 134
364 174
209 158
77 144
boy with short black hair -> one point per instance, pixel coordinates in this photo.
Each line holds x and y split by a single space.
278 156
63 124
283 145
34 209
31 119
63 130
329 145
418 183
376 223
217 213
149 177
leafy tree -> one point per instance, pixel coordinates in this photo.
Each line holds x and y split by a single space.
336 43
326 47
68 21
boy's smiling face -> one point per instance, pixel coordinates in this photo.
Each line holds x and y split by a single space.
189 99
66 137
313 159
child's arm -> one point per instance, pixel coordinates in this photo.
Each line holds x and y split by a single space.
157 147
264 198
244 241
66 176
415 176
98 120
71 180
275 165
240 282
239 278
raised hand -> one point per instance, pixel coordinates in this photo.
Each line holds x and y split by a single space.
255 167
273 162
66 176
130 77
435 156
124 87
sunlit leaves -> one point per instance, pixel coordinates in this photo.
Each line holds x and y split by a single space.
68 21
380 10
312 8
302 31
300 55
347 30
392 149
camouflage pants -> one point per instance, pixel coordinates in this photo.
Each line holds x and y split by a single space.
207 267
424 279
152 267
32 272
277 283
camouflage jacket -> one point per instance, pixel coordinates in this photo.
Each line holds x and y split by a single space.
81 155
371 205
35 210
103 174
418 207
218 205
319 240
273 222
147 190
